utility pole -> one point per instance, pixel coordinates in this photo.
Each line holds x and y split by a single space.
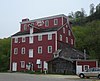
84 54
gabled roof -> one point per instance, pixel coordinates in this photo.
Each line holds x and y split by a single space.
40 31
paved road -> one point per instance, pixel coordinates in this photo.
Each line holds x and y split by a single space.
32 77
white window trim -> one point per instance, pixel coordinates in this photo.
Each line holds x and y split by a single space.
40 65
55 20
23 39
39 51
49 48
66 39
63 29
45 65
31 39
23 48
47 23
25 27
22 62
16 40
85 66
31 53
39 37
66 26
72 41
15 51
49 36
60 37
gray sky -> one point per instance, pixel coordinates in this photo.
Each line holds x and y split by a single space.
13 11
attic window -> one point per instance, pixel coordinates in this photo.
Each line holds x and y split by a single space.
25 27
47 23
55 21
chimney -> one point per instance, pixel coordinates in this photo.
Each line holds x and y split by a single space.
24 20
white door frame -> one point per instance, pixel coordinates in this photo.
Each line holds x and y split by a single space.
14 66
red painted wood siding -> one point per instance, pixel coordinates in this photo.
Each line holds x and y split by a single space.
90 63
51 24
64 35
45 56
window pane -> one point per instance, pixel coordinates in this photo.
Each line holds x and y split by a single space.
15 50
22 64
66 39
49 36
49 49
23 39
46 23
55 21
60 37
39 37
16 40
23 50
31 39
30 53
40 49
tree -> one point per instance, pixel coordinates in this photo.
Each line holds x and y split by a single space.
91 9
98 8
4 54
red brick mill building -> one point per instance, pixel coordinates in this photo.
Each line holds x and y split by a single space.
38 41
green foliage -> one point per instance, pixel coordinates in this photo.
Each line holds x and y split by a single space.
4 54
88 37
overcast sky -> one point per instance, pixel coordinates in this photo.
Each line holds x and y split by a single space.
13 11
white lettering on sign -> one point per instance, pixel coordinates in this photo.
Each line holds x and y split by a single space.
40 23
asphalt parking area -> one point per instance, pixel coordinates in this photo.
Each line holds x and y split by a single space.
42 77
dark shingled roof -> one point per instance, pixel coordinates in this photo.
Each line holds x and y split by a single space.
70 52
40 31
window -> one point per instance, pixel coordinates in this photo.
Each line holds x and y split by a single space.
72 41
47 23
55 21
31 30
31 39
23 50
23 39
15 50
30 53
66 26
86 67
45 65
49 49
39 62
39 37
22 64
63 30
66 39
49 36
60 37
16 40
25 27
40 49
69 33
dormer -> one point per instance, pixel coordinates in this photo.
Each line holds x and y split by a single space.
56 53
